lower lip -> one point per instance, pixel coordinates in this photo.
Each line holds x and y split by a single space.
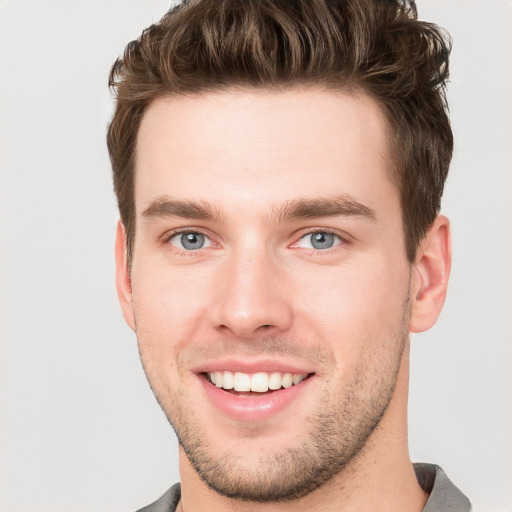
255 407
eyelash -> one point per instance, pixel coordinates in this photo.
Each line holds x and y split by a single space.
343 240
165 240
342 237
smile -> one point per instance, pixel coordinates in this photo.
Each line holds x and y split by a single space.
260 382
252 395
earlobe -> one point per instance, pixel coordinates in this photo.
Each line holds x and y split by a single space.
430 276
123 281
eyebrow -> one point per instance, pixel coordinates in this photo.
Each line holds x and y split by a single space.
167 207
296 209
323 207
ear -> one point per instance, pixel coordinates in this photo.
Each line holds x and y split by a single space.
123 282
431 271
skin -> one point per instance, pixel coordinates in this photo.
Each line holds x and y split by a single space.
258 290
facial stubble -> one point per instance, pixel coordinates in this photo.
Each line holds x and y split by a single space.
336 433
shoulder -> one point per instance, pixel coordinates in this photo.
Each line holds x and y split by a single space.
444 495
167 503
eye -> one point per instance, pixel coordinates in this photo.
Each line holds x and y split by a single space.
319 240
190 241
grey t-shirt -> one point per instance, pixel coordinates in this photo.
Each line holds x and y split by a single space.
444 496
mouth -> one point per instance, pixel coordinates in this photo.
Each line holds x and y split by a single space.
254 384
254 391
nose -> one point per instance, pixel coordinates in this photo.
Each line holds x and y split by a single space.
252 299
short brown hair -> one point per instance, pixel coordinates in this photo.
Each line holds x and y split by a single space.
376 46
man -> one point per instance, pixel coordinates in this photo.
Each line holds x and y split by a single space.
279 168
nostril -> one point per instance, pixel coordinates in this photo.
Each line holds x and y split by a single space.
264 328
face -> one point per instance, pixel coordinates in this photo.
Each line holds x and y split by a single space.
269 282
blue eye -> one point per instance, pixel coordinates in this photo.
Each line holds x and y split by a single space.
319 240
190 241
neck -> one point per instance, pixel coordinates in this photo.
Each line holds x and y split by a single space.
381 477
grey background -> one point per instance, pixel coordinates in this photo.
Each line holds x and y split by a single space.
79 427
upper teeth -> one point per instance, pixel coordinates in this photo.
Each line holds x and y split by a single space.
258 382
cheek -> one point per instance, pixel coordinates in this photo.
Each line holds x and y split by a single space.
168 306
167 297
357 306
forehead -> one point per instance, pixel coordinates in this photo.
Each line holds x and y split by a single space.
262 146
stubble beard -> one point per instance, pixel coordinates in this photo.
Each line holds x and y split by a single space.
335 434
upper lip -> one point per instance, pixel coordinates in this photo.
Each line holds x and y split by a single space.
251 366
